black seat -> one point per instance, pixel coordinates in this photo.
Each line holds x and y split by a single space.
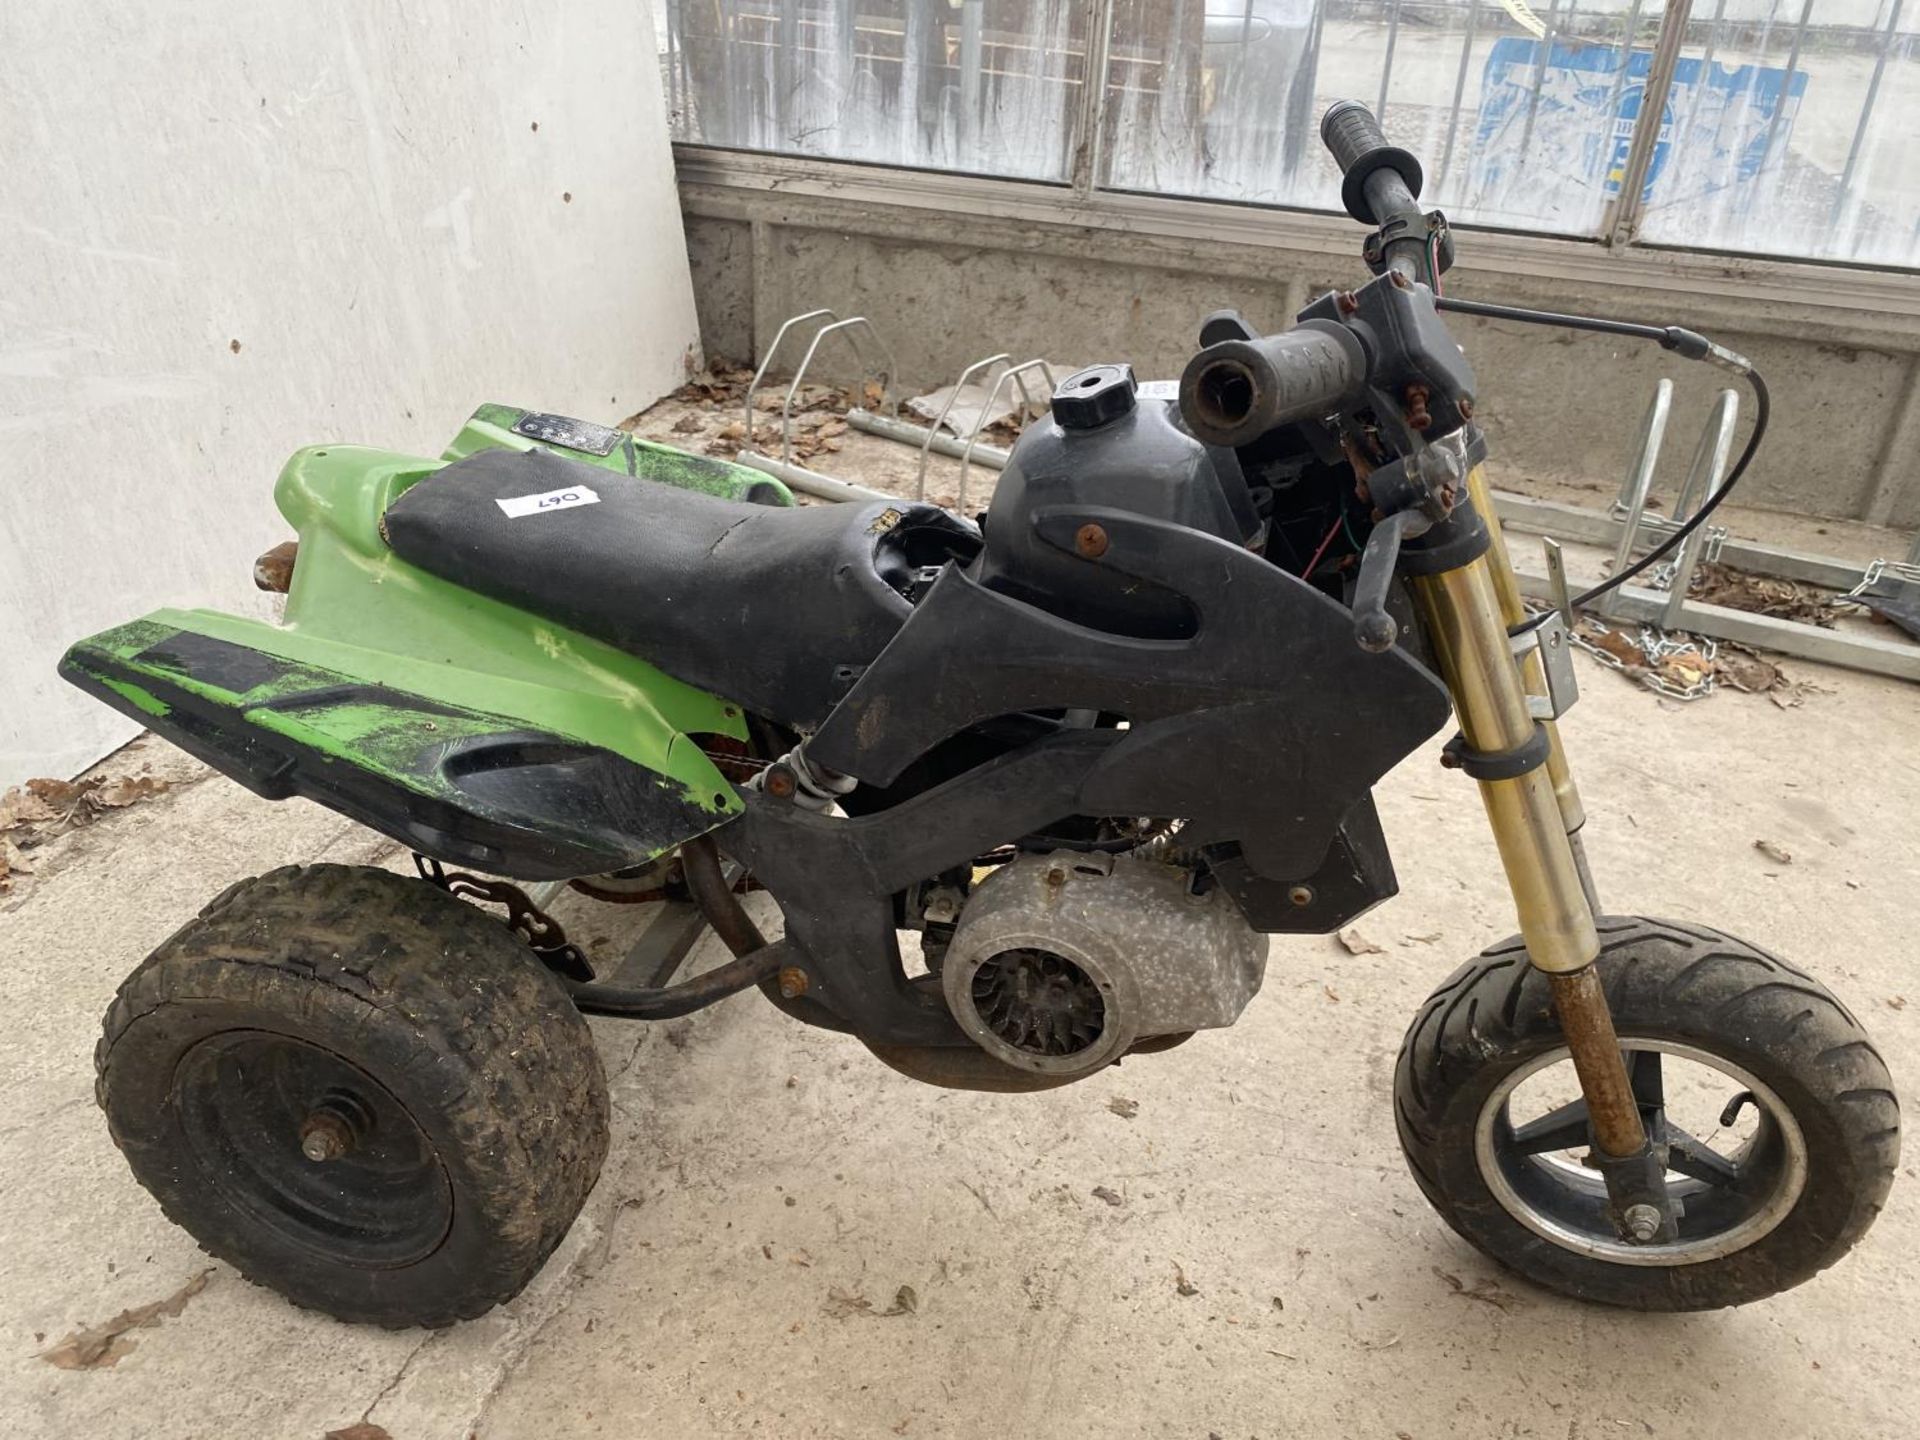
775 608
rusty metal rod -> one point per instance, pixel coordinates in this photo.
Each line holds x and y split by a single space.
1587 1023
754 959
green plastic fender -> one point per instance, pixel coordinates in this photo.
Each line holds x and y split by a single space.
380 666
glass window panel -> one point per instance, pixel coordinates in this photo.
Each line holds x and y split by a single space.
1515 109
1790 132
983 86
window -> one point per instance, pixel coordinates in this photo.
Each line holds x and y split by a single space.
985 86
1789 131
1783 129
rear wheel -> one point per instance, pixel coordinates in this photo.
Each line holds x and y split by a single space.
359 1091
1779 1122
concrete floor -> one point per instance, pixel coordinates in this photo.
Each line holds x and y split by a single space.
772 1189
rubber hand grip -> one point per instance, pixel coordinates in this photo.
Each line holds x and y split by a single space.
1236 391
1349 130
1379 179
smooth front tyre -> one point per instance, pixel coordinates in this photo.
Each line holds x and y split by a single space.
358 1091
1778 1118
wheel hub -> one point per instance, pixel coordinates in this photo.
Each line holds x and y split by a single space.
1722 1202
334 1128
304 1141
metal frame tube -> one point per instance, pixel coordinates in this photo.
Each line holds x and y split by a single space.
1620 226
1705 476
1639 481
888 428
926 444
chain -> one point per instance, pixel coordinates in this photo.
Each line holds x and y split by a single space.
539 930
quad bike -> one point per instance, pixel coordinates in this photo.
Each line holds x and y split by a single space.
1093 750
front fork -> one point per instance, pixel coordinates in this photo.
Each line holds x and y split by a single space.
1536 817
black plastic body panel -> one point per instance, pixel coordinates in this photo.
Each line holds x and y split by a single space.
499 797
1263 728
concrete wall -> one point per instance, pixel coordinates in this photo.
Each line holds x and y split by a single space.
948 289
229 228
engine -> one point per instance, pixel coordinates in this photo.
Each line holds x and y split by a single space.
1063 962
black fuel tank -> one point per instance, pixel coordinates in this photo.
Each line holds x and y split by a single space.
1116 444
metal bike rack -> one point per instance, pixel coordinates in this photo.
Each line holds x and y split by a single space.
1663 601
814 482
931 440
1016 373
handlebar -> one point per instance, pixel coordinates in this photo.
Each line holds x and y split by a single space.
1380 348
1235 391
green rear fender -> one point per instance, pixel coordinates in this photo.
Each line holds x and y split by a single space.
466 728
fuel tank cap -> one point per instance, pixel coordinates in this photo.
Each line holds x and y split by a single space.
1091 397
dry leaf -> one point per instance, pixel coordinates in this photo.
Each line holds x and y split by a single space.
1358 944
22 807
1328 989
689 425
1181 1285
118 794
102 1346
1774 851
364 1430
1126 1109
1718 584
905 1302
1101 1192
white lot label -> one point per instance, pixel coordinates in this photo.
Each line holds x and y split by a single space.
552 500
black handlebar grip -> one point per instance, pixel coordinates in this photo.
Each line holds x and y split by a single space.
1234 392
1361 150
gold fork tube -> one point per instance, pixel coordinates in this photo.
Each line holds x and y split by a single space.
1513 610
1469 640
1465 627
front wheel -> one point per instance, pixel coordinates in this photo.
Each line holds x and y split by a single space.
1777 1115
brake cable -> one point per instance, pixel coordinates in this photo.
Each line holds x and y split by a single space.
1689 345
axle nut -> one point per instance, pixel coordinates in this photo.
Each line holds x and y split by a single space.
793 982
325 1136
1090 541
1643 1222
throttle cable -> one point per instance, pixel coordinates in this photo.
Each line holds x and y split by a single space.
1688 344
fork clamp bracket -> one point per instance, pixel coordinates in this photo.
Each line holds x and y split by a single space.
1498 764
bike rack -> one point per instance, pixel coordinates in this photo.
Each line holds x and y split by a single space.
1663 604
814 482
888 426
1016 373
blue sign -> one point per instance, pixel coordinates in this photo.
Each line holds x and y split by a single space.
1573 139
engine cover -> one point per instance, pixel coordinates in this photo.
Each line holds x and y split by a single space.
1062 962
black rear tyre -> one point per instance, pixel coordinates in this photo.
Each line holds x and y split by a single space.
1828 1132
358 1091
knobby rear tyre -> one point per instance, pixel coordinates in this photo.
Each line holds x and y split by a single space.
466 1086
